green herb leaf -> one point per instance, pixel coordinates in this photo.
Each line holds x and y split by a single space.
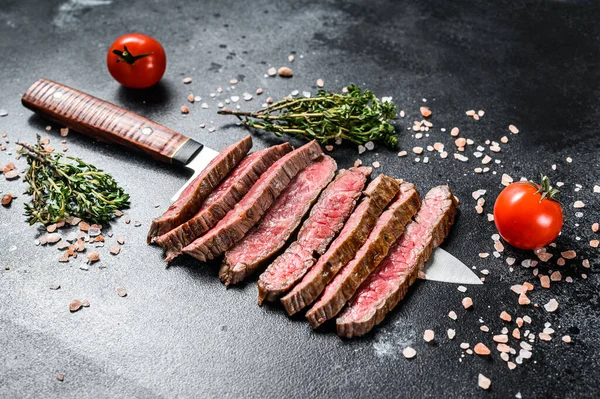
357 116
62 186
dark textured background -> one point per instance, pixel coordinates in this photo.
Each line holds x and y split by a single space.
179 333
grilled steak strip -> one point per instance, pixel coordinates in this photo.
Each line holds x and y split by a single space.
378 195
387 230
221 200
326 219
253 206
280 221
191 199
388 284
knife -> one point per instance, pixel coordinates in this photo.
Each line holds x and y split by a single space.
107 122
445 267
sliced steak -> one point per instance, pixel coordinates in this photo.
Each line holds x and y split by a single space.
378 195
326 219
246 213
279 222
387 230
388 284
221 200
191 199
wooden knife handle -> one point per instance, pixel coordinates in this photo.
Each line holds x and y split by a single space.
107 122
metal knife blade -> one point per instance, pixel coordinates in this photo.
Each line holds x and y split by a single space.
445 267
197 164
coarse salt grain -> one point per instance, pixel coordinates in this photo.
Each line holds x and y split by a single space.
498 246
556 276
501 338
467 302
418 150
578 204
478 193
505 316
285 72
409 352
451 333
460 142
517 288
426 112
524 300
551 306
566 339
545 337
484 328
503 348
513 129
506 179
481 349
483 382
452 315
428 335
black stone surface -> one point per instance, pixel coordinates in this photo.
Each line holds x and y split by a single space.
179 332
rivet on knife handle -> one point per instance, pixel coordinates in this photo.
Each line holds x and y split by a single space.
104 121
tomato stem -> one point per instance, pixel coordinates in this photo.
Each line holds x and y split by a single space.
126 56
545 189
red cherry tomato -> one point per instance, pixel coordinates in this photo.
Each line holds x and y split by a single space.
136 61
527 216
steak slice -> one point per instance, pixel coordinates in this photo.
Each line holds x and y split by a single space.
280 221
387 230
191 199
253 206
221 200
378 195
326 219
388 284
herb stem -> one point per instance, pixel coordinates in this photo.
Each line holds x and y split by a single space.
357 116
63 186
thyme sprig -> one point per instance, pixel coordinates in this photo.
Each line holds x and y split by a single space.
357 116
62 186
